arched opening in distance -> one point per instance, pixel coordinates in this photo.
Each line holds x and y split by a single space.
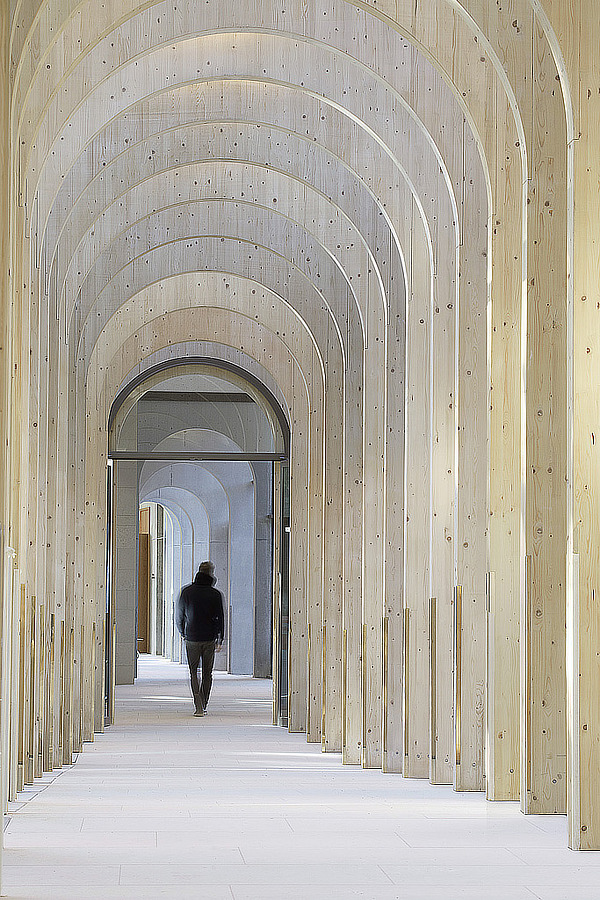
198 469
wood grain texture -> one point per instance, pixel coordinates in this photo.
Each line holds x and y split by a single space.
418 506
471 518
544 617
577 29
343 161
506 537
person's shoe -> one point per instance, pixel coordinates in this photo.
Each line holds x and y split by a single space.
199 712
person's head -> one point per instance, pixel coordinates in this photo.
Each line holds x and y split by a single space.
207 568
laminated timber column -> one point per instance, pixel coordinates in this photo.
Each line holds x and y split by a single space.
352 609
441 539
315 607
471 489
5 217
19 466
6 583
56 549
543 621
578 29
77 463
375 386
393 634
417 517
332 731
62 611
505 538
5 711
352 599
45 384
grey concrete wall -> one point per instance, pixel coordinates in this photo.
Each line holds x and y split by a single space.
263 590
125 555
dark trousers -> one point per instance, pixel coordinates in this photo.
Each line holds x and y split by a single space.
201 651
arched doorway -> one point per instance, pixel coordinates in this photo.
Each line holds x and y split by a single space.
198 468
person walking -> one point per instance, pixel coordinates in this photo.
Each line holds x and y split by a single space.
201 623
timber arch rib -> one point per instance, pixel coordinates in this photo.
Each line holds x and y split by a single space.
391 210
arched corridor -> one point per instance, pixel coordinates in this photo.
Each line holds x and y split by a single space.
309 288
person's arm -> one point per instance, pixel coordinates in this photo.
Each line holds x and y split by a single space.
180 615
220 620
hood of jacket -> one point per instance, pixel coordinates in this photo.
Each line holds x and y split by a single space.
205 580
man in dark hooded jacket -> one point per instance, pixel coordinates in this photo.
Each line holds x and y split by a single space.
201 622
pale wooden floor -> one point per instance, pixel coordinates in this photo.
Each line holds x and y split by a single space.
164 805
